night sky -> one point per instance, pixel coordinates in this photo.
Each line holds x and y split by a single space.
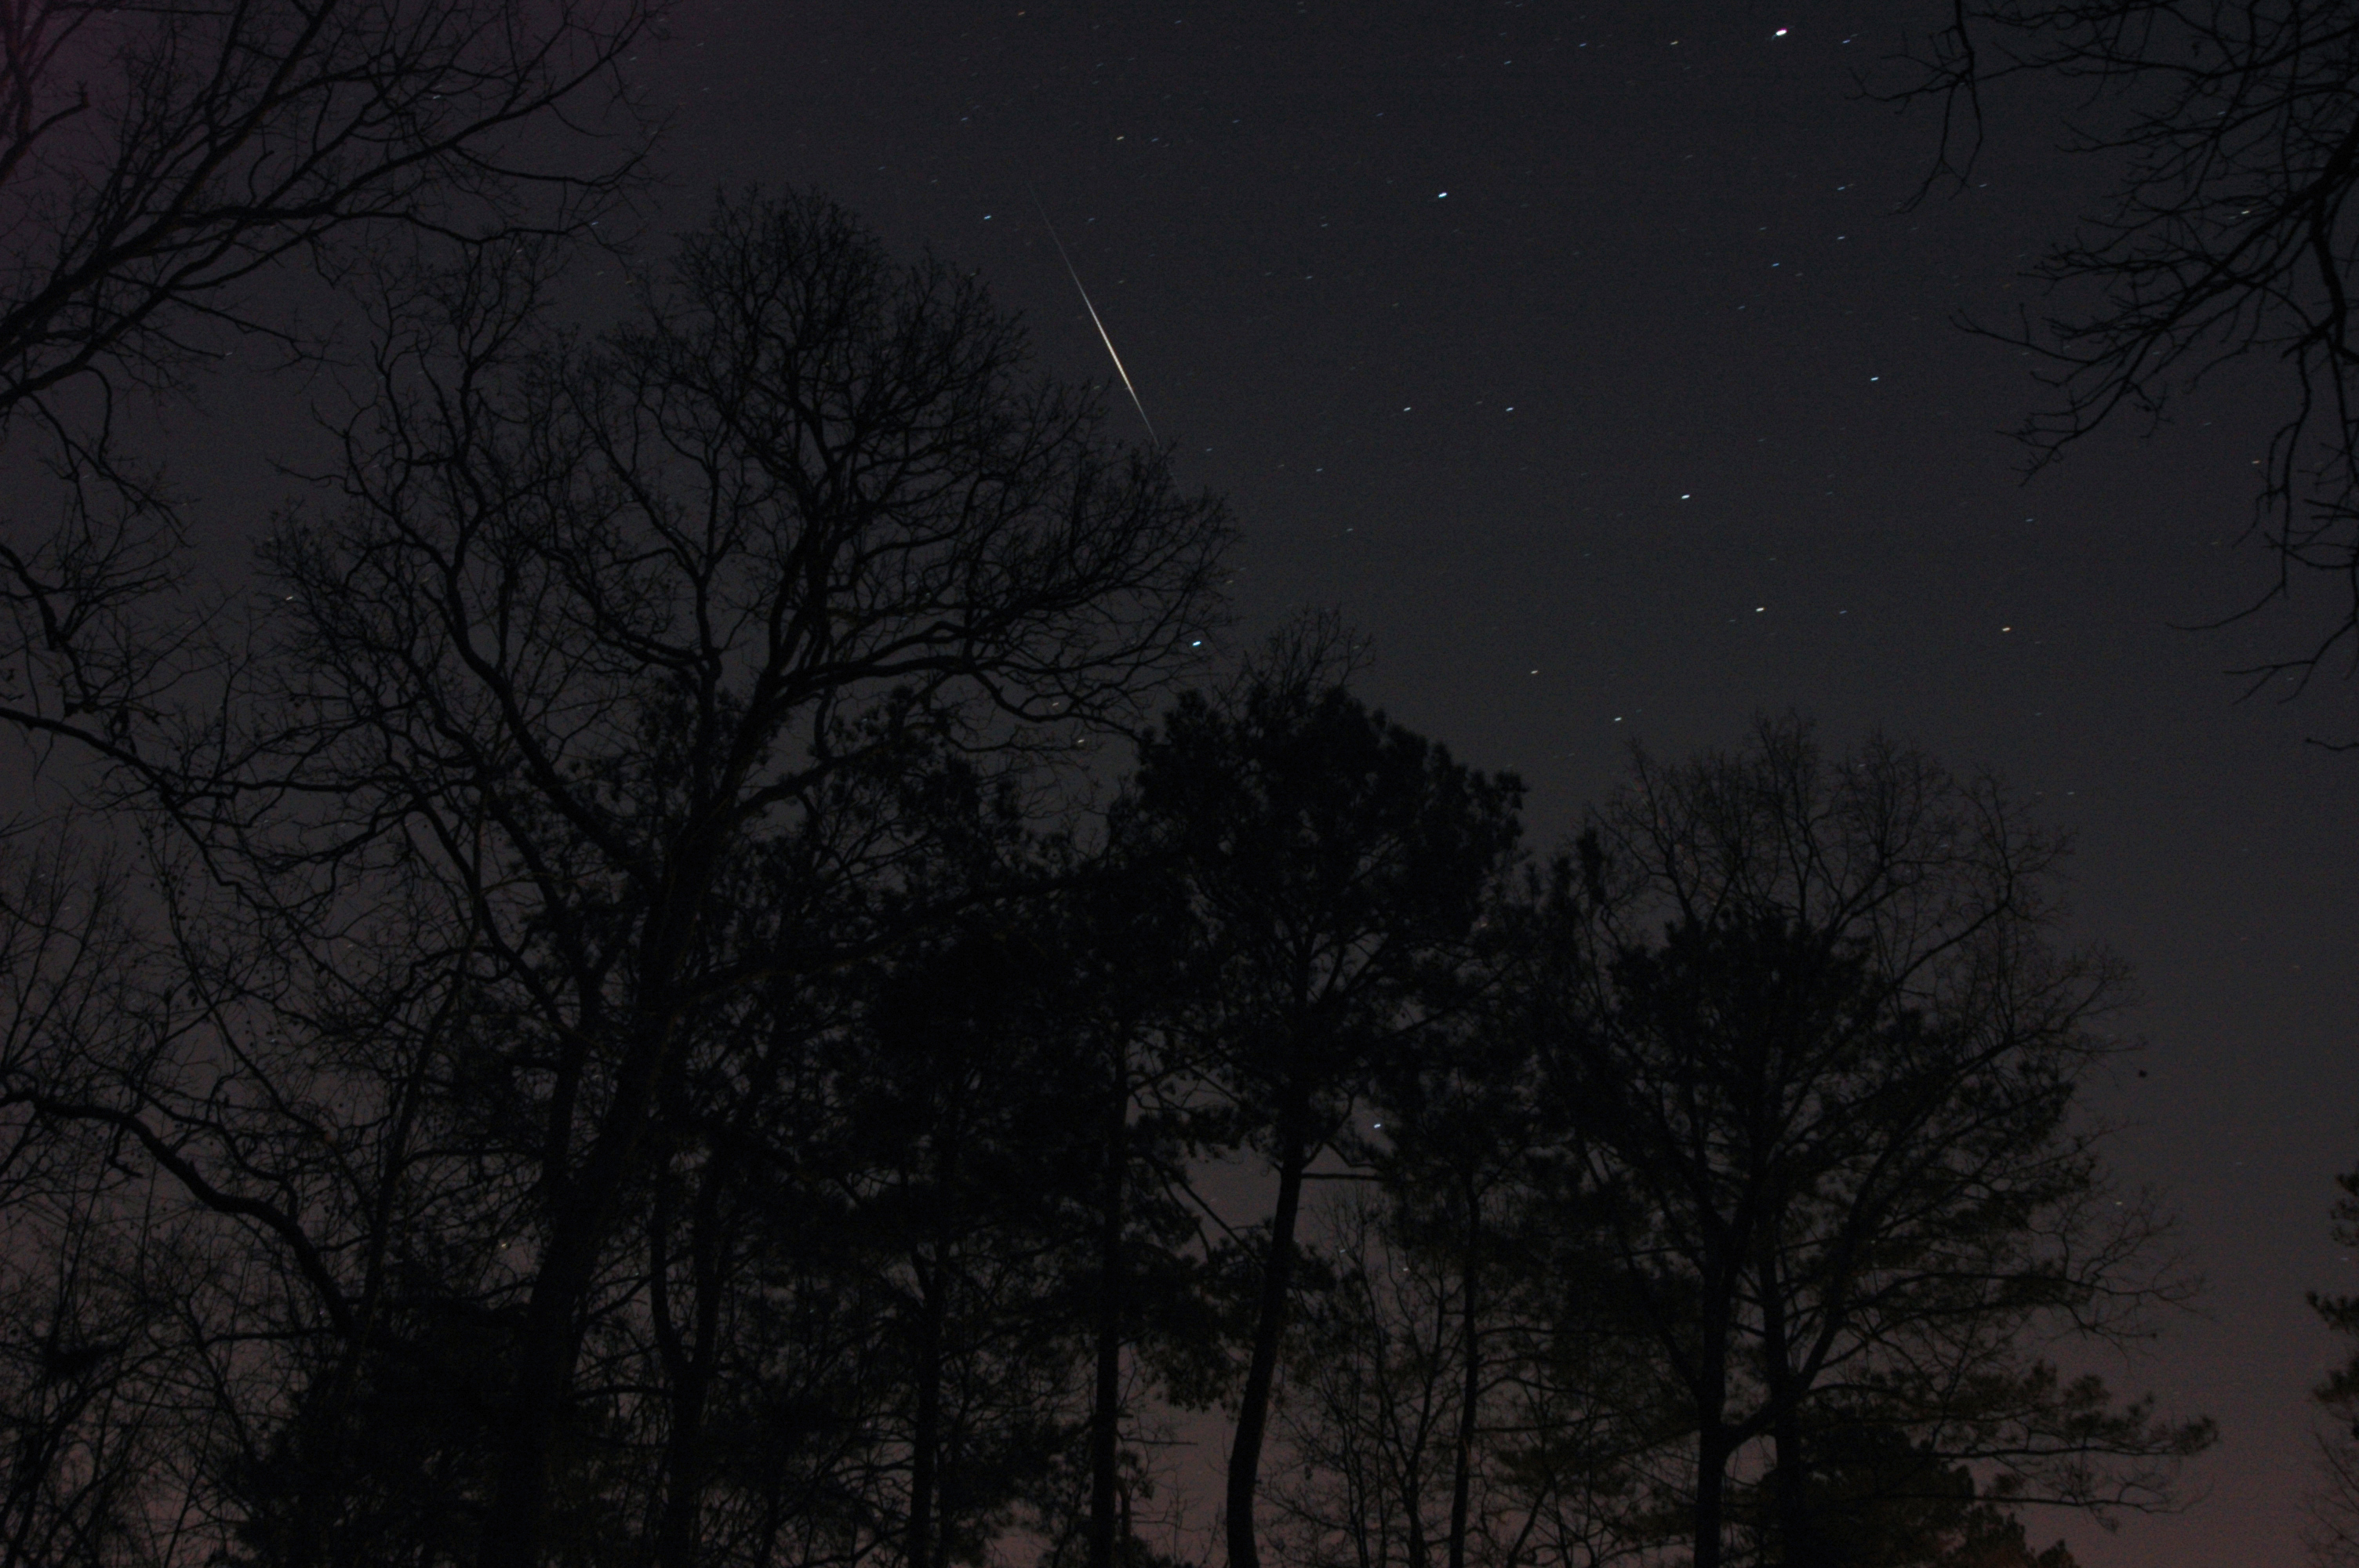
1585 360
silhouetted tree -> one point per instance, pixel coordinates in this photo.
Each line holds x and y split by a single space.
2231 236
166 173
653 595
1442 1272
96 1310
601 636
1400 1421
1336 867
1876 1499
1373 1401
1820 1049
1123 933
1444 1405
940 1183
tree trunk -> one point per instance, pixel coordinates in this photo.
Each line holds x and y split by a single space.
1470 1394
580 1212
1416 1552
690 1367
1269 1326
925 1434
1712 1491
1106 1406
544 1373
683 1471
1712 1440
1797 1547
1789 1474
548 1340
691 1364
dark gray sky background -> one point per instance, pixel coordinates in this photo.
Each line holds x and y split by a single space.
1655 421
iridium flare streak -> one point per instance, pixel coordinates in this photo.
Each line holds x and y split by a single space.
1071 272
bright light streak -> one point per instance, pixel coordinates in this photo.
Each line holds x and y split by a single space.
1073 273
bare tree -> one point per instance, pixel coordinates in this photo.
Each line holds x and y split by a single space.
68 1463
2230 237
1372 1398
1819 1059
1387 1464
167 173
118 1334
549 757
